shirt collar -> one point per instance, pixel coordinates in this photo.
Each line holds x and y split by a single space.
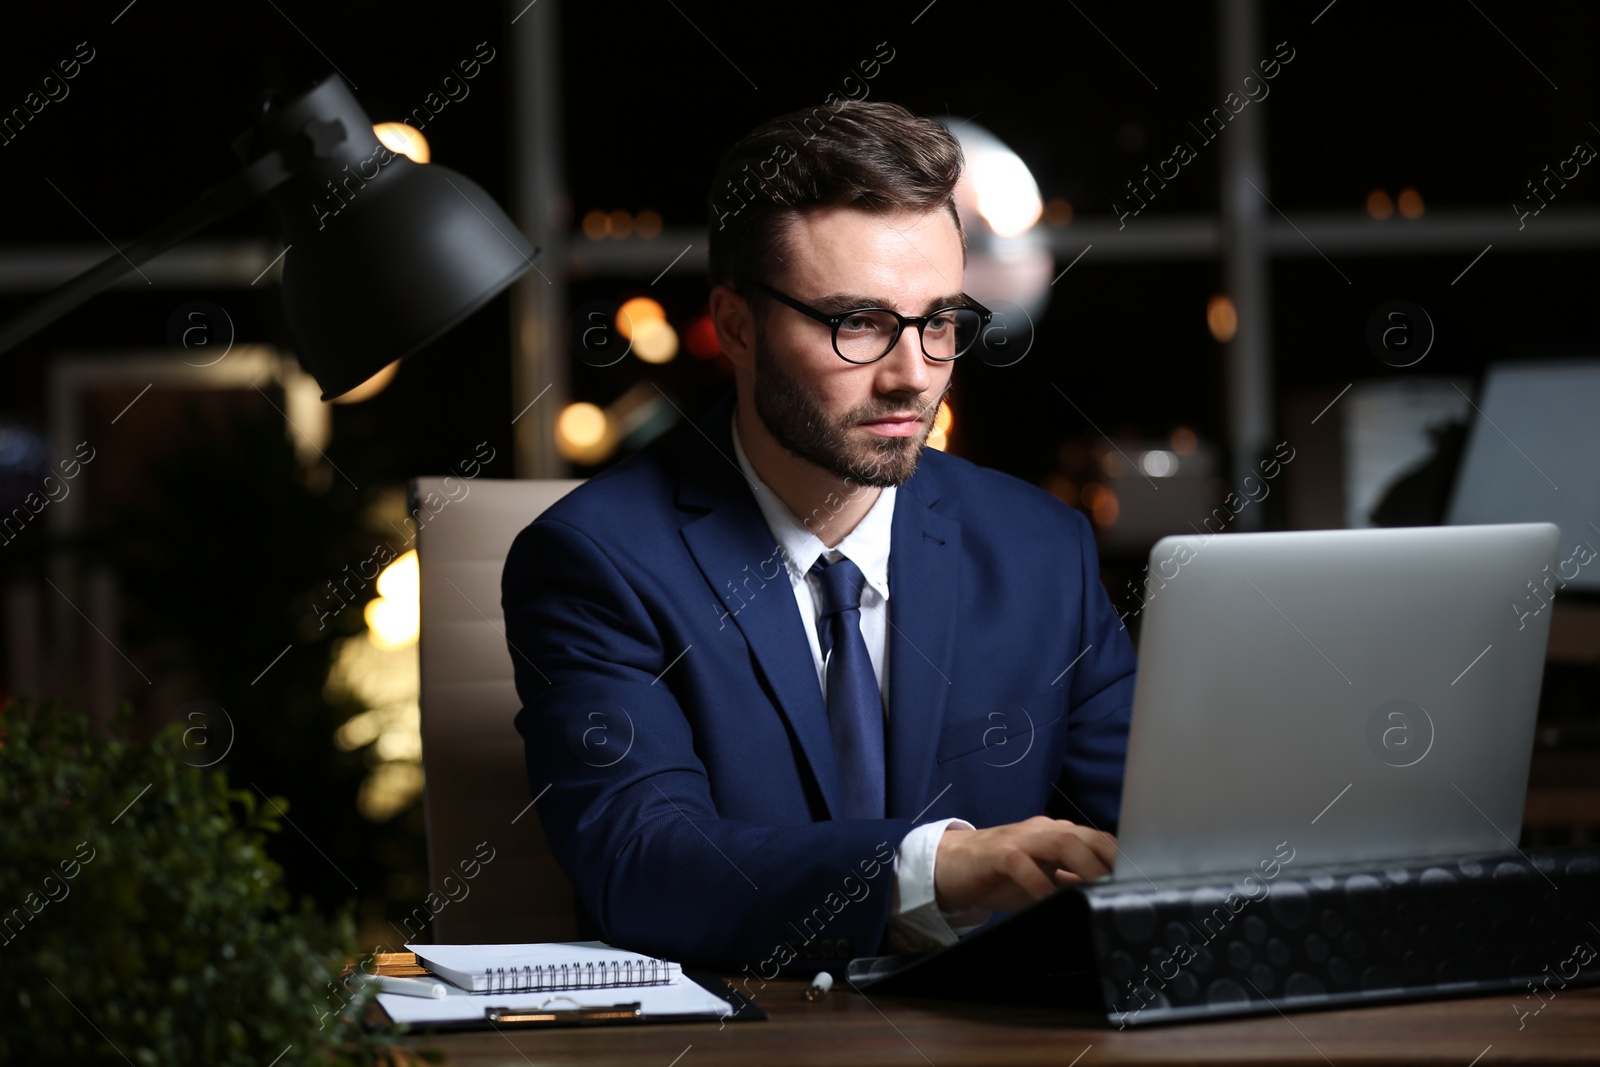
867 546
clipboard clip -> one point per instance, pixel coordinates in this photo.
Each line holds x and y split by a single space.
549 1013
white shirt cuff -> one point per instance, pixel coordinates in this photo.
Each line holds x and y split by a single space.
916 922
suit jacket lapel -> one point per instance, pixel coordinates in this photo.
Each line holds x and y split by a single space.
924 576
730 536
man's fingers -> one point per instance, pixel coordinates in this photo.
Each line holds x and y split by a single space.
1087 853
1104 846
1080 859
1024 871
1006 867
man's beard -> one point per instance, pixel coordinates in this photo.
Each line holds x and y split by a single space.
797 421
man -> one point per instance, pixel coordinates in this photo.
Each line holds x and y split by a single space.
776 668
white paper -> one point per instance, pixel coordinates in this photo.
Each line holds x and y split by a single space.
685 998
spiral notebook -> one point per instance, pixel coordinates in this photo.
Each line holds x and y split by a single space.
544 968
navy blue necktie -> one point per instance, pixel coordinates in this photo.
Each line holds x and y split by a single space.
855 704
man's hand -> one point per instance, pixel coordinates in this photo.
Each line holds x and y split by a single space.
1008 867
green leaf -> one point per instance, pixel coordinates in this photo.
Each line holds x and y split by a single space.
153 925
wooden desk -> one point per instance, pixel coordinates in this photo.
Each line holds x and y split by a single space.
847 1028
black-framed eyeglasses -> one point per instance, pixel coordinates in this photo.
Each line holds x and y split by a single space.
866 335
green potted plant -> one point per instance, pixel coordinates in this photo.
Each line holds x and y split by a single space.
141 920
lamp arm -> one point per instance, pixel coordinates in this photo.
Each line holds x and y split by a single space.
217 202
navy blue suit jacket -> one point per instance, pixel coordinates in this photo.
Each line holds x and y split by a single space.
671 704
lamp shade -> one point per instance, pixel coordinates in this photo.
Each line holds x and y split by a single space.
383 254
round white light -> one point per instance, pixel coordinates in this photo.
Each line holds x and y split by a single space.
1158 463
1008 197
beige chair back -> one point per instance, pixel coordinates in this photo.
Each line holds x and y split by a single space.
490 870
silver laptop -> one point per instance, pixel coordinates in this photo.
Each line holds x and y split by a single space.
1334 696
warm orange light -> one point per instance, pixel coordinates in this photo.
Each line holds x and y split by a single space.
939 438
1222 318
584 433
1106 509
406 140
1061 487
1183 441
1058 212
581 424
596 224
654 341
633 312
621 223
371 387
1379 206
648 224
1411 205
394 617
1102 503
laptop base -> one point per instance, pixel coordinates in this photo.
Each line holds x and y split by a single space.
1131 953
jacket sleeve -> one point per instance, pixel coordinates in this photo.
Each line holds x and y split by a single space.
625 801
1100 701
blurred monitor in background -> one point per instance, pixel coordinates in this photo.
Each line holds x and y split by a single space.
1533 455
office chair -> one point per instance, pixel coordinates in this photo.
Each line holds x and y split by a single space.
490 870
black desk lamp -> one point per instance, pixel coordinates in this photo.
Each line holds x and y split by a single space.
383 254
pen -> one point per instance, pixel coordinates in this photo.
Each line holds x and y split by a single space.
411 987
580 1014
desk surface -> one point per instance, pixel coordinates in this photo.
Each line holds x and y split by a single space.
848 1028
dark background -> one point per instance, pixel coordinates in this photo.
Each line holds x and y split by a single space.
222 543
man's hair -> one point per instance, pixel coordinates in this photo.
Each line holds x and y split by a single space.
875 156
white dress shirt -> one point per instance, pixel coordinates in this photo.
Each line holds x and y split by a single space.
916 921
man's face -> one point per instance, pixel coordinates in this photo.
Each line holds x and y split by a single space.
866 423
